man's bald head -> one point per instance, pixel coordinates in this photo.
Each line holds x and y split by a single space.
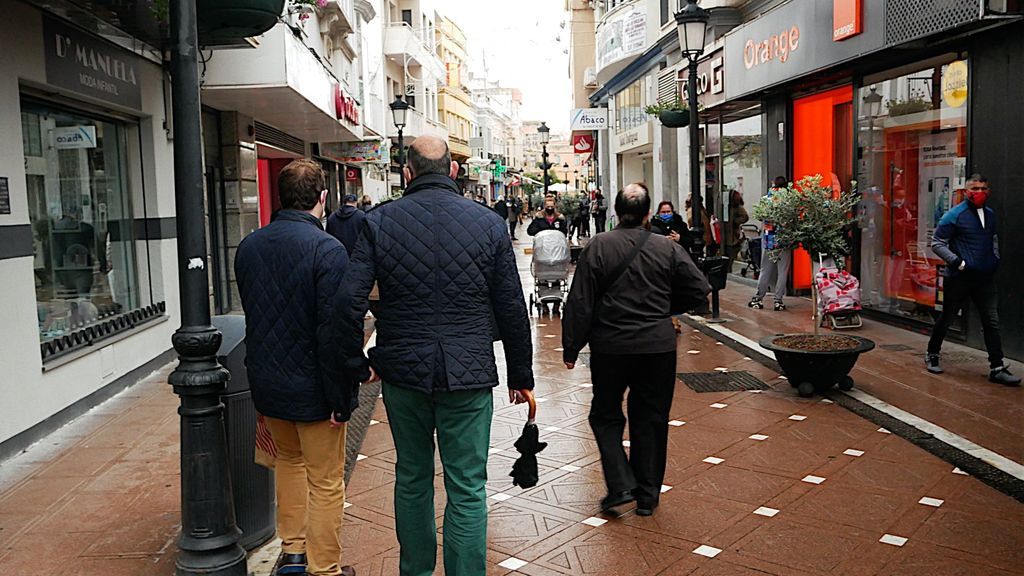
430 155
633 204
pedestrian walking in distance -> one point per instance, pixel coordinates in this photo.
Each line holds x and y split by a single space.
449 287
967 239
288 275
548 218
777 268
628 284
346 222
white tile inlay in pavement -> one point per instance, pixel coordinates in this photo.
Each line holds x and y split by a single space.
594 521
852 452
957 470
493 450
812 479
551 428
884 431
1001 462
693 351
757 437
372 422
931 501
559 349
586 385
512 563
713 460
542 325
718 405
797 417
361 457
542 400
721 369
569 468
347 505
549 335
826 401
501 496
676 422
665 488
766 511
705 550
893 539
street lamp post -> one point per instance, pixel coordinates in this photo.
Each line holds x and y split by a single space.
691 25
545 137
399 109
209 536
565 170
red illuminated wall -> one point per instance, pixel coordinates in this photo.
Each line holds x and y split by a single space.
267 171
816 141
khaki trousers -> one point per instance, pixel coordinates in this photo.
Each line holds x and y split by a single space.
310 476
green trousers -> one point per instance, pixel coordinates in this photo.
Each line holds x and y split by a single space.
462 420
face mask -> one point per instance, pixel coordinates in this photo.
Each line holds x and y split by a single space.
550 210
665 217
978 197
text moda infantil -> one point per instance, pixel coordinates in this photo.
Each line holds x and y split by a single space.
86 57
777 46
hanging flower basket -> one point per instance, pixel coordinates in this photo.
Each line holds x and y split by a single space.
231 20
675 118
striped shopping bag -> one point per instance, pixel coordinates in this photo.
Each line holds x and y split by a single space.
266 450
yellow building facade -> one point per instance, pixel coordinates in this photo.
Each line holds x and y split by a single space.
454 105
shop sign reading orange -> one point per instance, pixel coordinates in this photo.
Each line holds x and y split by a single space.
846 19
775 47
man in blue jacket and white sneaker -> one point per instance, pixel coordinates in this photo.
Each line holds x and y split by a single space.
966 239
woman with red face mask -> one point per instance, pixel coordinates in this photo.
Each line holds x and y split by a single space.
966 239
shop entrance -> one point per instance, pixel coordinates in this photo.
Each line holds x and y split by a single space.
822 144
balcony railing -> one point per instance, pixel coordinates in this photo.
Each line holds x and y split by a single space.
416 124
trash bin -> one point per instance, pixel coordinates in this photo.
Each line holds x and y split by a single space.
716 268
252 485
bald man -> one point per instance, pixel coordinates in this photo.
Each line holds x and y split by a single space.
447 275
627 285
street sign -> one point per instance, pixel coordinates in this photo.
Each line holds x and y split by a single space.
588 119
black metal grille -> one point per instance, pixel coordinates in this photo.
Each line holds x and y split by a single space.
722 381
907 20
269 135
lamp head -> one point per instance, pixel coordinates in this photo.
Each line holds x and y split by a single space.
399 109
545 133
691 25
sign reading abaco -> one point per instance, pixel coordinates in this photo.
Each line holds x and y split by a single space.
588 119
90 66
71 137
846 21
582 142
346 108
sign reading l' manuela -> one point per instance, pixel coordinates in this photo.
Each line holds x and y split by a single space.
90 66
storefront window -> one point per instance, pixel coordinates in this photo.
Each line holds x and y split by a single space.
742 180
912 132
80 212
629 107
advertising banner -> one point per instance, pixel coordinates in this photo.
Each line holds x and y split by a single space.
368 152
623 34
588 119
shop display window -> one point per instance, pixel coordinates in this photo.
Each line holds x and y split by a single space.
629 107
81 218
912 133
742 179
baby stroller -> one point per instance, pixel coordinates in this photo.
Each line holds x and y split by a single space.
750 250
550 269
838 298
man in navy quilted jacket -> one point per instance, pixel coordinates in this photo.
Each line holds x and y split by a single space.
966 238
288 275
448 282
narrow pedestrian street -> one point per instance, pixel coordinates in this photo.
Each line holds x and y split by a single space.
757 482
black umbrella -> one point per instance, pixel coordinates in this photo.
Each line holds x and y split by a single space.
524 471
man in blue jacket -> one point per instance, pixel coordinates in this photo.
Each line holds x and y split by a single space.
447 281
966 238
346 222
288 275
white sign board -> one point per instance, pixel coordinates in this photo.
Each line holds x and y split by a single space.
621 35
68 137
588 119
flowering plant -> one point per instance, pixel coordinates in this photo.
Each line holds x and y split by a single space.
296 6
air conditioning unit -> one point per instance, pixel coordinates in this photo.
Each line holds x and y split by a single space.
590 78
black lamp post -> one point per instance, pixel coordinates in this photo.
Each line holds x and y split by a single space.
399 109
209 536
576 179
691 23
545 137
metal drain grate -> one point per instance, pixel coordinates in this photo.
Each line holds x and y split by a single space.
895 347
722 381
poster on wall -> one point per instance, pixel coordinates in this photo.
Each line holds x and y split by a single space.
937 176
622 35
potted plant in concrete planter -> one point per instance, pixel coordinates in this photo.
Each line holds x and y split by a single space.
814 216
671 114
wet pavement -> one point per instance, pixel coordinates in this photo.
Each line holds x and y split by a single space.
757 482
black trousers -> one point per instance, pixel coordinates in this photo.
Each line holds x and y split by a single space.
599 224
650 379
981 291
512 224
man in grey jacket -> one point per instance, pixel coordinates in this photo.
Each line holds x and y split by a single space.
627 285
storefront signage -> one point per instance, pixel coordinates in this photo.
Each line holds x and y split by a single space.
710 80
366 152
954 84
352 175
90 66
346 108
5 196
793 40
634 138
846 19
588 119
582 143
622 34
70 137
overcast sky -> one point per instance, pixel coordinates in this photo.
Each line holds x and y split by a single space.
525 48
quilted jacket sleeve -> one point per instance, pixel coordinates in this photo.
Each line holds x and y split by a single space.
510 313
353 302
340 391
